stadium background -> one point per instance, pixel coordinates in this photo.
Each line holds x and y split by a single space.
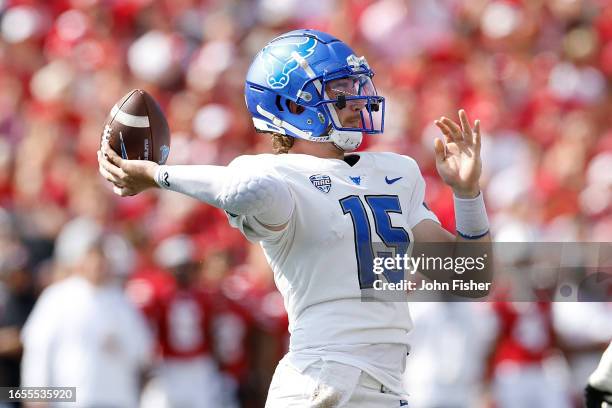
537 74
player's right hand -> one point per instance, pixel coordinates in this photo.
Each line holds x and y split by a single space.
129 177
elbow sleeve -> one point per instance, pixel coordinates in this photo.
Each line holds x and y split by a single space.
264 196
236 191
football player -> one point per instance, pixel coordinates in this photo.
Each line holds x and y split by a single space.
319 212
182 324
599 389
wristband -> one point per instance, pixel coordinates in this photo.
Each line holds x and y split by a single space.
471 217
161 177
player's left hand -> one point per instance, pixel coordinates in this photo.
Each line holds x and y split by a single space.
458 158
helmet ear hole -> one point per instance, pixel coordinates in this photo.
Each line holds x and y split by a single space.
294 107
278 103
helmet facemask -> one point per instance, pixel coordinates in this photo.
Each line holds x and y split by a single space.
349 101
353 104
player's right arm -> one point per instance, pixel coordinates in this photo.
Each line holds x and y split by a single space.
238 191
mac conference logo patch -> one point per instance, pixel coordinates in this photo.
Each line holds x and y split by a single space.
321 182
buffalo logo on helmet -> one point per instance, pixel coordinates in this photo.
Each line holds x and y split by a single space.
280 62
322 182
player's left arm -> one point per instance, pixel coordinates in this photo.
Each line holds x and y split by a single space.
459 165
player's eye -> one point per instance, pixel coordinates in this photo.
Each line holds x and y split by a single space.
342 92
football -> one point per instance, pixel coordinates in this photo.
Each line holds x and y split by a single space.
136 128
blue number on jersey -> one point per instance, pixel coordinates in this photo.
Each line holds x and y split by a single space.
393 237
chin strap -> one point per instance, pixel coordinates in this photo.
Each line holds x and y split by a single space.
345 140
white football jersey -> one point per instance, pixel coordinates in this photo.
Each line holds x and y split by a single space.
323 258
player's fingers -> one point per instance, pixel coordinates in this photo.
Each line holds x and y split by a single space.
102 159
476 134
454 128
104 162
109 177
128 191
439 149
122 191
465 125
111 155
445 130
118 190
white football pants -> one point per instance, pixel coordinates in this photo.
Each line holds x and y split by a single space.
328 385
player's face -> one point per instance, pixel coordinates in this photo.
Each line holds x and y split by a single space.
354 114
349 116
94 266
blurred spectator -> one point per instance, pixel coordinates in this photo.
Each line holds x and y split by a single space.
17 299
186 375
458 337
232 325
524 367
583 339
82 332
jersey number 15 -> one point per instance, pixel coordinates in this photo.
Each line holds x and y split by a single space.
396 239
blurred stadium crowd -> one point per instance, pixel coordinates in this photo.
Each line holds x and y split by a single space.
537 73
